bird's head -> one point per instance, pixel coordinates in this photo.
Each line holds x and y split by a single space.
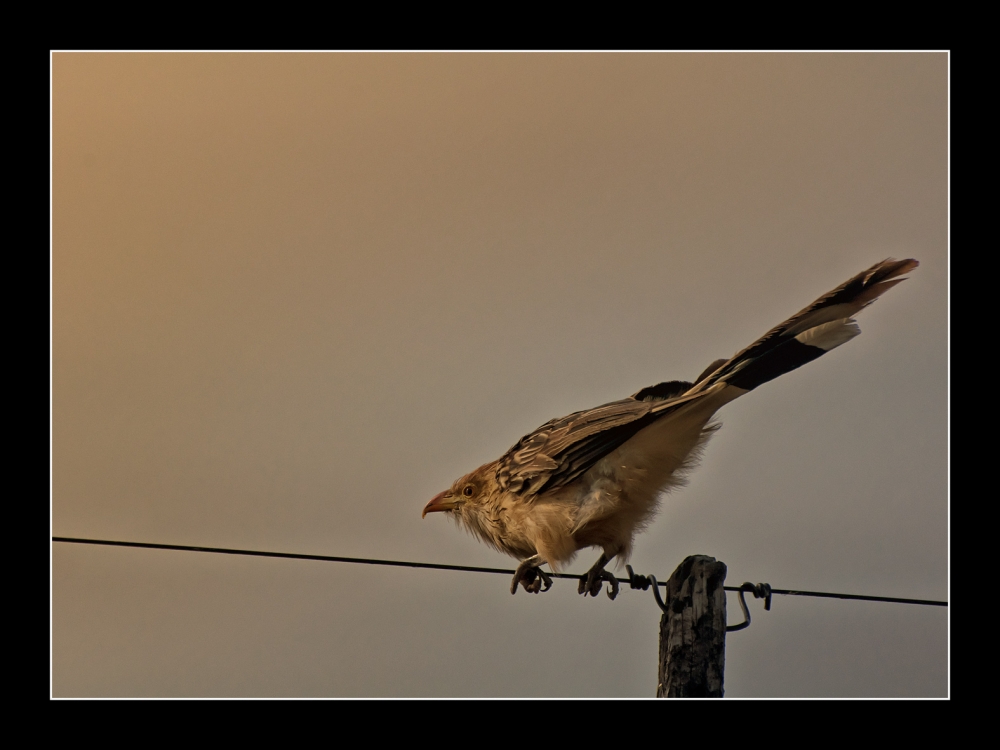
467 493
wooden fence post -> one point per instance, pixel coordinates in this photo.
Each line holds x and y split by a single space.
693 631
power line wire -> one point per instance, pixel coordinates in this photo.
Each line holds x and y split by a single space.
467 568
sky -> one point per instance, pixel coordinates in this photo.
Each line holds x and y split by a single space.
294 296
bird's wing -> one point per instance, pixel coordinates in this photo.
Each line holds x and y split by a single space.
663 391
562 449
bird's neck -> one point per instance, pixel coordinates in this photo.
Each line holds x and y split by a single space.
483 522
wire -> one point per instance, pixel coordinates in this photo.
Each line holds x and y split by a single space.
467 568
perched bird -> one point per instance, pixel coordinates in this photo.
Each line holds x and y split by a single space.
594 478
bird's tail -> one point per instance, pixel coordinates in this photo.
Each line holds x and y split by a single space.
810 333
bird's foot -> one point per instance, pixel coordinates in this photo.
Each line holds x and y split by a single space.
535 580
531 577
590 582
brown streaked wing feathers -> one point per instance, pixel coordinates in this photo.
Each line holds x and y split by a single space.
562 449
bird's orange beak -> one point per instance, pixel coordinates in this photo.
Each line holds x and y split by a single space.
441 501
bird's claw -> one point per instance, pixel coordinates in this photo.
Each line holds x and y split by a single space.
590 583
531 578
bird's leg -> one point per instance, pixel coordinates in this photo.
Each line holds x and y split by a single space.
590 582
529 575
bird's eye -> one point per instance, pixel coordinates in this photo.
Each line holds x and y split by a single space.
467 491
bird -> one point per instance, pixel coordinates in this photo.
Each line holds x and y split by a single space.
595 478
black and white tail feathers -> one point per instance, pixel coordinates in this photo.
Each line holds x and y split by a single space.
810 333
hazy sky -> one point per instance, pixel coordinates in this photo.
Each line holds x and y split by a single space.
297 295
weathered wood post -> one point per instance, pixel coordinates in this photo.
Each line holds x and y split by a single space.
693 631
